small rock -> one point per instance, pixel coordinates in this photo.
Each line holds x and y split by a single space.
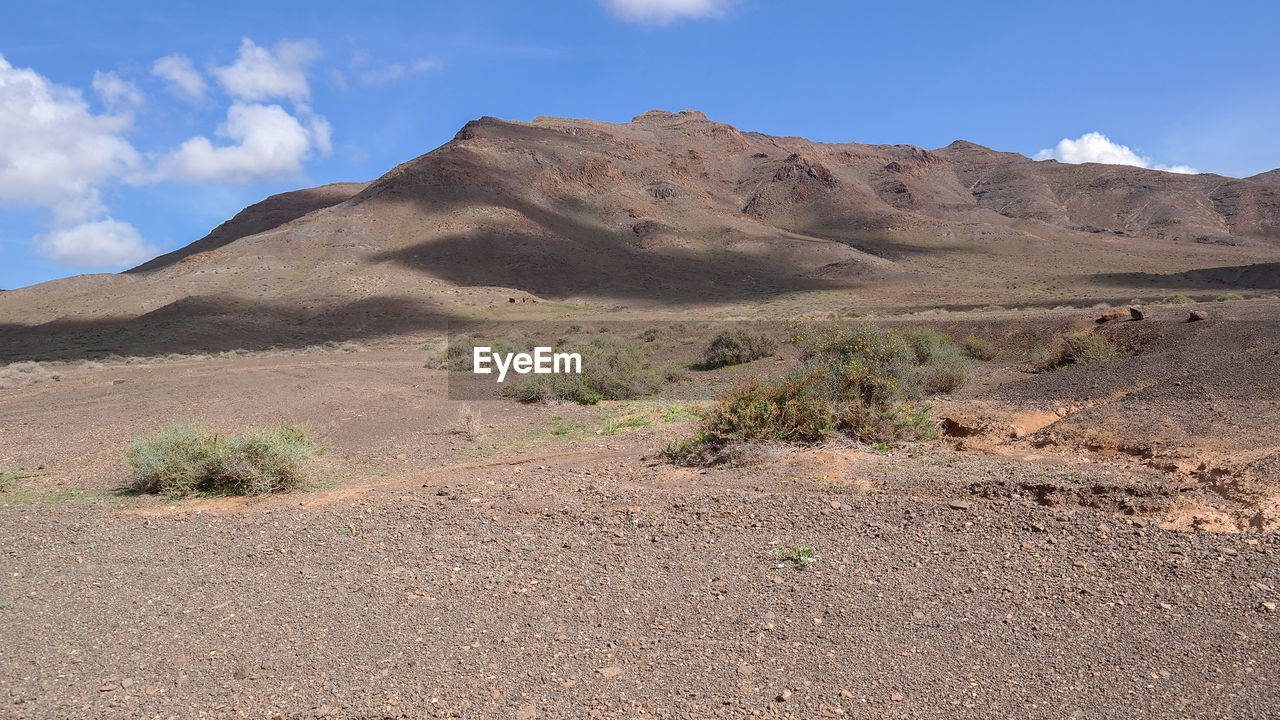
745 670
777 579
126 683
1080 564
846 508
958 504
1197 316
1269 607
785 696
611 672
846 694
835 504
528 712
1228 552
1135 313
897 697
817 621
402 456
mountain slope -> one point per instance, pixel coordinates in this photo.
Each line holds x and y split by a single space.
673 209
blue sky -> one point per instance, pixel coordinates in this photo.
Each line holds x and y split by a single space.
132 128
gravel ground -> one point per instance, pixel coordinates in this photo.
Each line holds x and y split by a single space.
612 587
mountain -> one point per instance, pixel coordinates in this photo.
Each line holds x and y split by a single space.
671 210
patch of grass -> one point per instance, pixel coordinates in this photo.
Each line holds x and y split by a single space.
8 478
797 557
612 369
637 421
19 374
1228 297
568 429
188 458
1178 299
673 414
977 348
651 334
1068 350
736 346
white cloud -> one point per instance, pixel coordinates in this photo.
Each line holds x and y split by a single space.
99 243
1098 148
118 94
56 153
266 142
54 150
265 74
181 75
661 12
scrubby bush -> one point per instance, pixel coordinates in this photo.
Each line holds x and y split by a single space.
1067 350
459 356
1178 299
736 346
943 368
977 348
925 343
1228 297
860 383
612 369
944 373
189 458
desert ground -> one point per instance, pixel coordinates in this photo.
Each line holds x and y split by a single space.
1096 541
1083 539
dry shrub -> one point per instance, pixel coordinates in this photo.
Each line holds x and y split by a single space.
735 347
1068 350
188 458
977 348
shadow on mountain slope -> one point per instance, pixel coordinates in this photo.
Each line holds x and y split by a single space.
1257 276
216 324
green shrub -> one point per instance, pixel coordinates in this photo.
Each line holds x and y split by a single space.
736 346
943 368
1068 350
188 458
977 348
1228 297
612 369
927 342
858 383
944 372
1178 299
